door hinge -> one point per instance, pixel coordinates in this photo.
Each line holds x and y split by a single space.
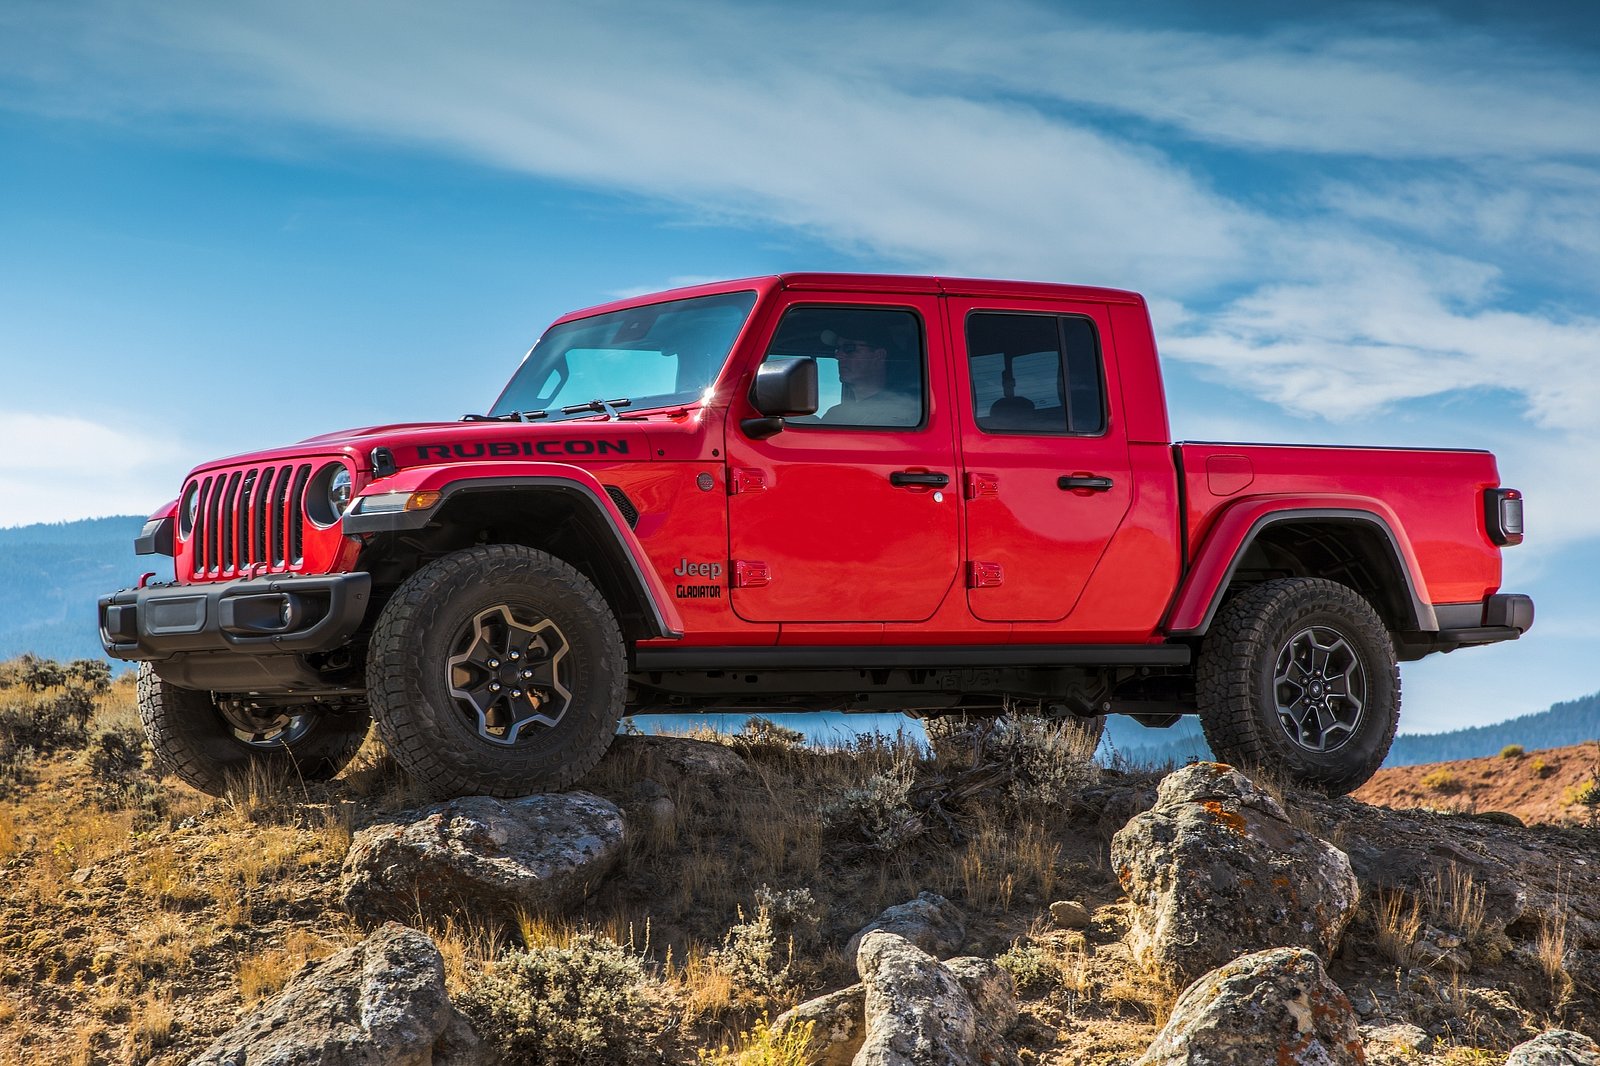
746 479
748 574
984 575
982 485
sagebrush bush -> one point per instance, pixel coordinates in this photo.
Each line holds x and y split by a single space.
48 723
766 731
116 760
877 812
1051 761
579 1005
1441 780
1512 751
753 957
1030 966
794 912
766 1045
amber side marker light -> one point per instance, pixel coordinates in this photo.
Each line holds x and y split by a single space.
394 502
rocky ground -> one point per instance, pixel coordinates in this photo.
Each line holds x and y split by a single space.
748 900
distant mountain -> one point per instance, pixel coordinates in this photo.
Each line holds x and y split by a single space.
51 574
1571 722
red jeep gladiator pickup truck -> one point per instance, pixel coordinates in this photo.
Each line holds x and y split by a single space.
806 492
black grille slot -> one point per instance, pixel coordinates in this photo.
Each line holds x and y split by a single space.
625 505
280 496
230 523
212 509
297 514
242 523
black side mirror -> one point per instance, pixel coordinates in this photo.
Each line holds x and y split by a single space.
784 388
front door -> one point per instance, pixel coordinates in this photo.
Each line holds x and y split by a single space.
1047 477
852 514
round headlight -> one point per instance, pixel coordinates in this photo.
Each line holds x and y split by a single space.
328 495
189 509
339 491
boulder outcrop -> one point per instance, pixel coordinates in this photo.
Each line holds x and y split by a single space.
930 921
1216 869
1558 1047
379 1003
486 857
1272 1006
920 1012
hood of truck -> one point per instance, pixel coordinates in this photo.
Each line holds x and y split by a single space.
434 443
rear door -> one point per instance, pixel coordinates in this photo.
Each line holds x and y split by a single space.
851 515
1046 470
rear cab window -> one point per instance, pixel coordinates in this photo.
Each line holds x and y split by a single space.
1035 374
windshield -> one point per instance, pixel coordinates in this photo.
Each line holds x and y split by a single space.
659 355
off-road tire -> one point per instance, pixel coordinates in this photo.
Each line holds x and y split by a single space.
431 734
192 739
1238 682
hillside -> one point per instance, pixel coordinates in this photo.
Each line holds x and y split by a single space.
51 576
141 921
1535 786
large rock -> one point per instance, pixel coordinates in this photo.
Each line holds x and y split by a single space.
919 1011
1272 1006
1216 869
379 1003
838 1022
930 921
485 857
1558 1047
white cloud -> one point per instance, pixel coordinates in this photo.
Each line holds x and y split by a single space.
58 467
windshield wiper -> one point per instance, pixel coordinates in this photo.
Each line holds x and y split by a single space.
509 416
604 407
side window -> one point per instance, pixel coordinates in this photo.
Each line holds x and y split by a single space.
1035 374
871 363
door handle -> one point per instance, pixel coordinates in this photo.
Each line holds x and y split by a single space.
1080 482
916 477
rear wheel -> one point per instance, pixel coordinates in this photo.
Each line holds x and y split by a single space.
204 741
496 670
1298 677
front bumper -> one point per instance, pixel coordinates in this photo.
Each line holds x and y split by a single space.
269 615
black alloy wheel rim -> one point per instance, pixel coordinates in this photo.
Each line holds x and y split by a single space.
267 732
1320 687
507 673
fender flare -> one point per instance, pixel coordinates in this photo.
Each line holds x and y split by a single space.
1237 528
454 481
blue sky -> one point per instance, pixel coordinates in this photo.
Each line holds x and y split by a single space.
227 226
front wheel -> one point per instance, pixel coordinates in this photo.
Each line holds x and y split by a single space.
496 670
1298 677
204 741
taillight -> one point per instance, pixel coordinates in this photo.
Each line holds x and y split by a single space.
1502 515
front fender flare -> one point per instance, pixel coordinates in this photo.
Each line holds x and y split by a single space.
453 480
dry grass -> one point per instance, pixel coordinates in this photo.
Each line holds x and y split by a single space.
1398 922
152 1028
265 974
700 989
1456 901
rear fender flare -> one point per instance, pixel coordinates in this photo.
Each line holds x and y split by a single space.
1237 528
